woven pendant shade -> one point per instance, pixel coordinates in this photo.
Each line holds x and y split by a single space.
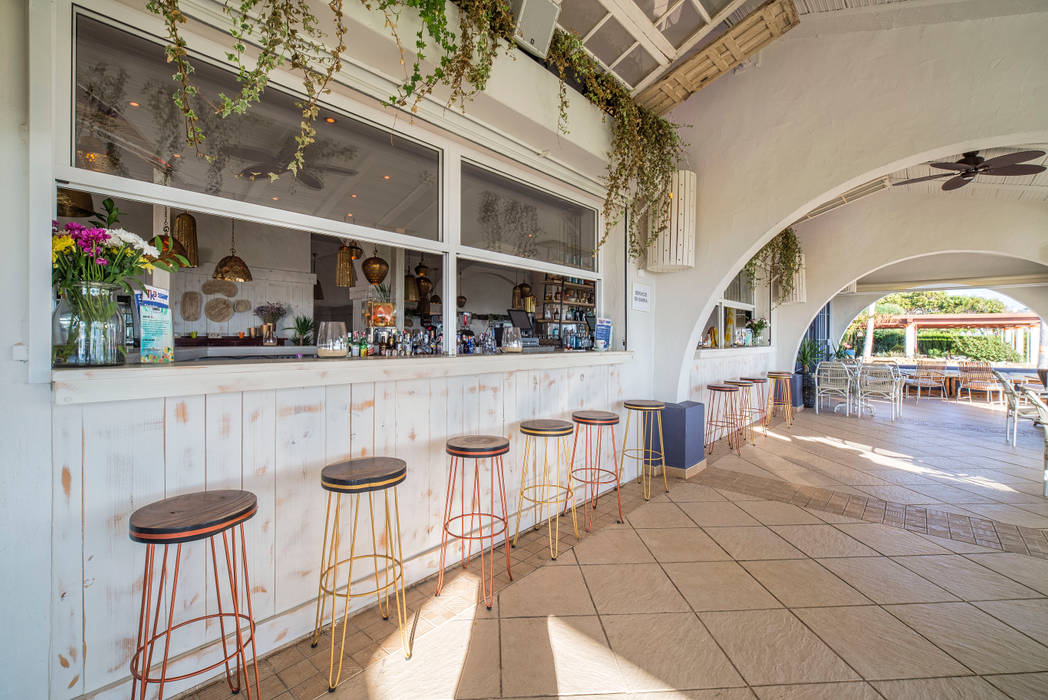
184 231
345 274
375 268
425 286
435 299
410 289
355 251
421 270
231 268
74 204
525 289
460 300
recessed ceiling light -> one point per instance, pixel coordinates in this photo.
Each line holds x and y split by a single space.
176 155
349 214
276 198
134 104
385 177
353 196
330 120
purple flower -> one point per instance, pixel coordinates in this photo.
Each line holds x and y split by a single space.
101 261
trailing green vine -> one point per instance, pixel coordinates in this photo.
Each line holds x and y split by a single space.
645 148
777 262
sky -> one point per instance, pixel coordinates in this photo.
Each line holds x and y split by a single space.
1009 303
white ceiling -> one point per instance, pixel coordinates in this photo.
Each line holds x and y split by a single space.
1030 188
953 266
805 7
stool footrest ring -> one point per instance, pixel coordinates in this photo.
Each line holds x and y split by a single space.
482 517
396 575
243 617
612 478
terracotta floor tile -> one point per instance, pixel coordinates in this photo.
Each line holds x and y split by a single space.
974 638
884 581
613 547
551 590
854 690
1027 616
668 651
717 514
632 588
719 585
822 541
773 647
777 513
877 645
803 583
890 541
658 515
964 688
745 543
965 578
682 544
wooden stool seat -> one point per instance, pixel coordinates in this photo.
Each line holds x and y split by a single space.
477 446
546 427
643 405
595 417
192 516
364 474
755 380
777 374
722 387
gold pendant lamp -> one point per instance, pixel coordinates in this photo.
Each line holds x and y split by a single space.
375 268
345 274
425 286
231 268
410 288
74 204
184 231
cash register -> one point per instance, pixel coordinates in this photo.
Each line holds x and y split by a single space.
522 320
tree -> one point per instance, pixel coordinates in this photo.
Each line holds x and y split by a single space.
942 303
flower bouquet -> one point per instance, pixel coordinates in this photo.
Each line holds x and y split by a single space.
757 325
89 266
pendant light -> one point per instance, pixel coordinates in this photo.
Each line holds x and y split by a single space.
73 204
345 273
410 288
184 231
421 270
355 251
231 268
435 299
425 286
318 291
375 268
460 300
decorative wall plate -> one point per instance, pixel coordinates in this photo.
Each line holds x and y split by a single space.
223 287
190 306
242 305
218 309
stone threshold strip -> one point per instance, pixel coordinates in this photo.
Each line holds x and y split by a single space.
927 521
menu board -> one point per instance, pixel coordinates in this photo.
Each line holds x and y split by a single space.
602 334
156 329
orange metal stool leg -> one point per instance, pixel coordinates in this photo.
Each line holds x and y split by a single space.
591 475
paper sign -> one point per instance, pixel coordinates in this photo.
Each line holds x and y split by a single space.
641 297
602 334
157 331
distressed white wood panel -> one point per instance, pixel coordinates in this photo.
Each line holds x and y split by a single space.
67 579
437 463
299 518
123 471
413 406
362 420
259 455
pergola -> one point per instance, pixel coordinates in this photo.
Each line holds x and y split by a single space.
1021 330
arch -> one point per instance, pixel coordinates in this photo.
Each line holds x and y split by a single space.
768 147
881 230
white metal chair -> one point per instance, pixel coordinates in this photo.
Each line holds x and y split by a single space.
1019 407
877 381
1042 422
833 380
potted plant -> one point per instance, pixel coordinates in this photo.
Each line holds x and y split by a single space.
757 325
301 331
270 313
808 356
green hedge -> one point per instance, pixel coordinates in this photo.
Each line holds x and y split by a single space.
946 343
985 347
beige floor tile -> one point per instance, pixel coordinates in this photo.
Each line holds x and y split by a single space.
719 585
773 647
753 543
710 694
458 660
877 645
803 583
1019 567
957 546
632 588
717 514
777 513
668 651
822 541
685 492
557 656
1025 685
1028 616
682 544
658 515
964 688
974 638
550 590
890 541
832 518
854 690
965 578
884 581
738 496
1010 514
612 547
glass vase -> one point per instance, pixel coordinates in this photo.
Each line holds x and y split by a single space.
87 328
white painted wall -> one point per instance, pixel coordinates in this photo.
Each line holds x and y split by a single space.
842 99
853 241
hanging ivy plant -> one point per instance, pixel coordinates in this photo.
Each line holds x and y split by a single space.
777 262
645 148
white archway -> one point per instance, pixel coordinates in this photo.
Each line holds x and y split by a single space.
773 141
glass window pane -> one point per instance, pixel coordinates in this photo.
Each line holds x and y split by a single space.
681 24
581 16
127 125
636 66
611 41
506 216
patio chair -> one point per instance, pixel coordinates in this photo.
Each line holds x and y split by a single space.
1018 406
978 376
1042 422
833 380
877 381
930 374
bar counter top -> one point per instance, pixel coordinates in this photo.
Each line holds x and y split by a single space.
215 376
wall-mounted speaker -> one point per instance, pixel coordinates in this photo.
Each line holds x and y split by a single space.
536 20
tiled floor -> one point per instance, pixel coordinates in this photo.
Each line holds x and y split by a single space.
780 589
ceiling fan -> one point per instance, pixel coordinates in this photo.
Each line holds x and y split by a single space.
972 164
266 162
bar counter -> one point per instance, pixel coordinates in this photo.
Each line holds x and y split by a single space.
124 437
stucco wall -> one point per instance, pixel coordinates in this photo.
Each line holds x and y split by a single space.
838 101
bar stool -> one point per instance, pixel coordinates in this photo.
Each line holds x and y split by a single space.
355 478
650 414
744 409
188 518
477 448
758 411
780 395
724 417
548 491
591 475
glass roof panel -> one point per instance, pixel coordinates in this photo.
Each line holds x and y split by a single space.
714 6
611 41
636 65
580 16
682 23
